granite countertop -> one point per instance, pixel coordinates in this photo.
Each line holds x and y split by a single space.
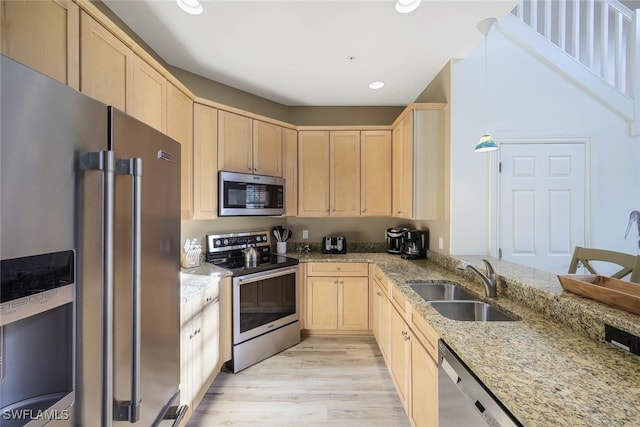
548 368
195 280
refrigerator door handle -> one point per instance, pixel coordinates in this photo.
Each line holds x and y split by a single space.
130 410
105 161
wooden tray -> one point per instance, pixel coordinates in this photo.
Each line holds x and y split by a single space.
614 292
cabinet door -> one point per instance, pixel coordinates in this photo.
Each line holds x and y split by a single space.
400 356
267 149
234 143
397 159
345 173
322 303
44 36
205 162
180 128
375 163
290 170
105 64
313 173
148 98
353 303
407 166
210 336
381 319
424 386
402 170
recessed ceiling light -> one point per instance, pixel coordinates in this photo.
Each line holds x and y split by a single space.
192 7
406 6
376 85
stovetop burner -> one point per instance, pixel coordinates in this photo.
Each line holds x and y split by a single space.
227 251
275 261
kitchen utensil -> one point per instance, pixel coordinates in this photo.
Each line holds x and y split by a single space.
250 256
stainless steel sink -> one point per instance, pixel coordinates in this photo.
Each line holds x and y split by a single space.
436 291
470 311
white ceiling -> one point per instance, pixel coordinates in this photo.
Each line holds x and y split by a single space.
297 52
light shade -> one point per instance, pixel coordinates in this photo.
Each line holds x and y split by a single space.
486 143
407 6
376 85
192 7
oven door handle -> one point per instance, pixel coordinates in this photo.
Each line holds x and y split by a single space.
264 275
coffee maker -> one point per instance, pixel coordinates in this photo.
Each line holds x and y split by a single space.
395 239
415 244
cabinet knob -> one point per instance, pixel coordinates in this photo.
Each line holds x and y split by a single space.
379 293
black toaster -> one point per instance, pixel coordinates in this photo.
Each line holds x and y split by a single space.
334 245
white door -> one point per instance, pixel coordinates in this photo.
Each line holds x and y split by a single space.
541 203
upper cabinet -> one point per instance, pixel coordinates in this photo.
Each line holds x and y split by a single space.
44 36
249 146
418 164
290 171
105 64
267 148
148 98
375 167
344 173
313 173
205 162
235 141
180 128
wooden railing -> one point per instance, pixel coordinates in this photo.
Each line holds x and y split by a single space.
600 34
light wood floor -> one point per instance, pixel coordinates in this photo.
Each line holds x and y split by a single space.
323 381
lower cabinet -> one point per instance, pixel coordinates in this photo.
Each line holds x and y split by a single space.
205 342
424 386
410 348
380 311
337 297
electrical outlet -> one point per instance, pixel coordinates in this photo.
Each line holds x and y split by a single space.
305 234
440 243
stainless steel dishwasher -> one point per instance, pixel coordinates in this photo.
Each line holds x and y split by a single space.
462 399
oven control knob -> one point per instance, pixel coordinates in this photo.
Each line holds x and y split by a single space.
226 241
218 242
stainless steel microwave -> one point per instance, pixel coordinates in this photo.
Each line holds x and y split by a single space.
245 194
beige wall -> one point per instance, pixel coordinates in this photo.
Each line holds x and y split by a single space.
439 90
336 116
354 229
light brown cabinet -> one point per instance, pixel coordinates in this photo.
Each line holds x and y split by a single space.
337 297
381 310
344 173
313 173
235 139
205 162
418 159
44 36
400 356
375 166
105 64
249 146
147 97
290 170
329 173
424 373
180 128
205 340
409 346
267 148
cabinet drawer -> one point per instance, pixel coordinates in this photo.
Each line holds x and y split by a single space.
379 278
341 269
398 300
425 334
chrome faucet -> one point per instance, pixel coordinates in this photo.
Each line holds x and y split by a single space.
489 280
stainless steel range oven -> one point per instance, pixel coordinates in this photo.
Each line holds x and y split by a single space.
265 303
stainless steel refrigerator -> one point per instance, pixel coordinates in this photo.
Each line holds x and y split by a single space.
82 177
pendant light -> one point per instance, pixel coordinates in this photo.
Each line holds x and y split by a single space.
487 142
